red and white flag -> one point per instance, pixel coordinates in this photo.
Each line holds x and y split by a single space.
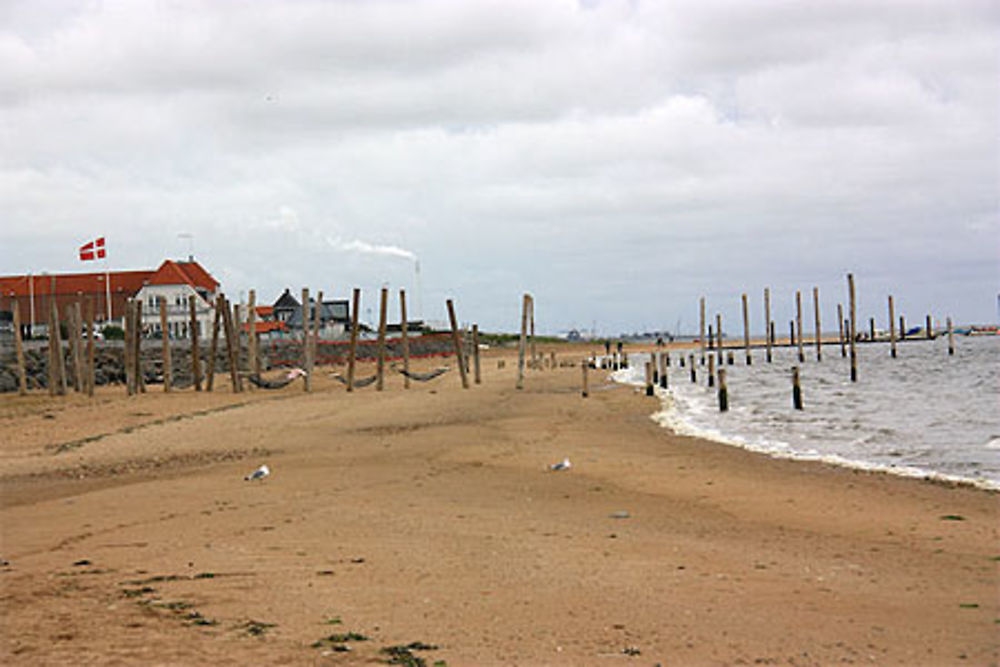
92 250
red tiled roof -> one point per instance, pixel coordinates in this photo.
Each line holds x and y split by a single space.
265 327
265 311
70 284
183 273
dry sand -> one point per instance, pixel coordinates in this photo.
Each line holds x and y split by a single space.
428 516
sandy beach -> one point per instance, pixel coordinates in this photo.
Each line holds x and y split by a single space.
424 525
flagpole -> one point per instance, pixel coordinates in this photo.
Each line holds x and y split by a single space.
107 288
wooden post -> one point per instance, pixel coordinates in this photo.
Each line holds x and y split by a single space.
521 348
252 364
767 321
701 329
723 391
796 389
380 361
76 345
852 329
771 327
478 378
317 319
694 373
306 379
232 348
195 349
871 329
892 330
902 328
711 370
711 340
746 330
718 336
22 375
56 335
649 376
534 349
406 339
91 370
791 333
127 347
951 338
456 339
664 362
819 328
213 349
798 325
352 354
167 366
930 329
583 368
840 330
140 376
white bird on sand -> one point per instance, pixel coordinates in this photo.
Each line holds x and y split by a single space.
562 465
259 473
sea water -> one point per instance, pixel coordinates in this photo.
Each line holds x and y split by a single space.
923 414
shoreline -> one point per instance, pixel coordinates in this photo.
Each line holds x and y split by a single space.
428 515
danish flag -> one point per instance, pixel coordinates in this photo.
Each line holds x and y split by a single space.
92 250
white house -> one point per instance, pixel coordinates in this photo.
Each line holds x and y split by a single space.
177 282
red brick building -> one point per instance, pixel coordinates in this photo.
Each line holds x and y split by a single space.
33 295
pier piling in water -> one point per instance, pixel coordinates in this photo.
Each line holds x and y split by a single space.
723 391
819 328
951 338
649 377
892 330
768 324
930 328
694 373
852 330
840 330
796 389
664 362
746 329
798 325
586 389
711 371
701 330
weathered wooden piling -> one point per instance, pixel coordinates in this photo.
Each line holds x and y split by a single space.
306 379
892 330
711 340
852 329
55 337
701 329
791 333
649 376
522 344
253 360
951 338
22 375
664 362
768 324
380 361
819 328
232 347
91 334
168 379
585 391
76 345
902 328
127 347
140 375
729 357
798 325
213 346
771 333
871 329
746 329
317 320
711 370
477 375
352 354
796 389
840 330
534 348
457 340
404 333
694 370
930 328
718 336
195 346
723 391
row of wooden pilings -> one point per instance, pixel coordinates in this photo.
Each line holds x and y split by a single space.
712 347
228 321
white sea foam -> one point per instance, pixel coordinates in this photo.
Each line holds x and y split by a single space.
924 414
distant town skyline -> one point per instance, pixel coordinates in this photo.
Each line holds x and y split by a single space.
618 160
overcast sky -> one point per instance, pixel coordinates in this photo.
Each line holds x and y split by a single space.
616 159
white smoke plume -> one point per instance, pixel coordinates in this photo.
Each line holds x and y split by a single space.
364 247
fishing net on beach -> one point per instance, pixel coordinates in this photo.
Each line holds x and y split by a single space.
258 381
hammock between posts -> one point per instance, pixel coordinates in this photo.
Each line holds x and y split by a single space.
360 382
276 384
423 377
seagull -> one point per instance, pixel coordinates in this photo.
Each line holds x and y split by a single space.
294 373
562 465
259 473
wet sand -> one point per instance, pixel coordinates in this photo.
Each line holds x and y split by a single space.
429 516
